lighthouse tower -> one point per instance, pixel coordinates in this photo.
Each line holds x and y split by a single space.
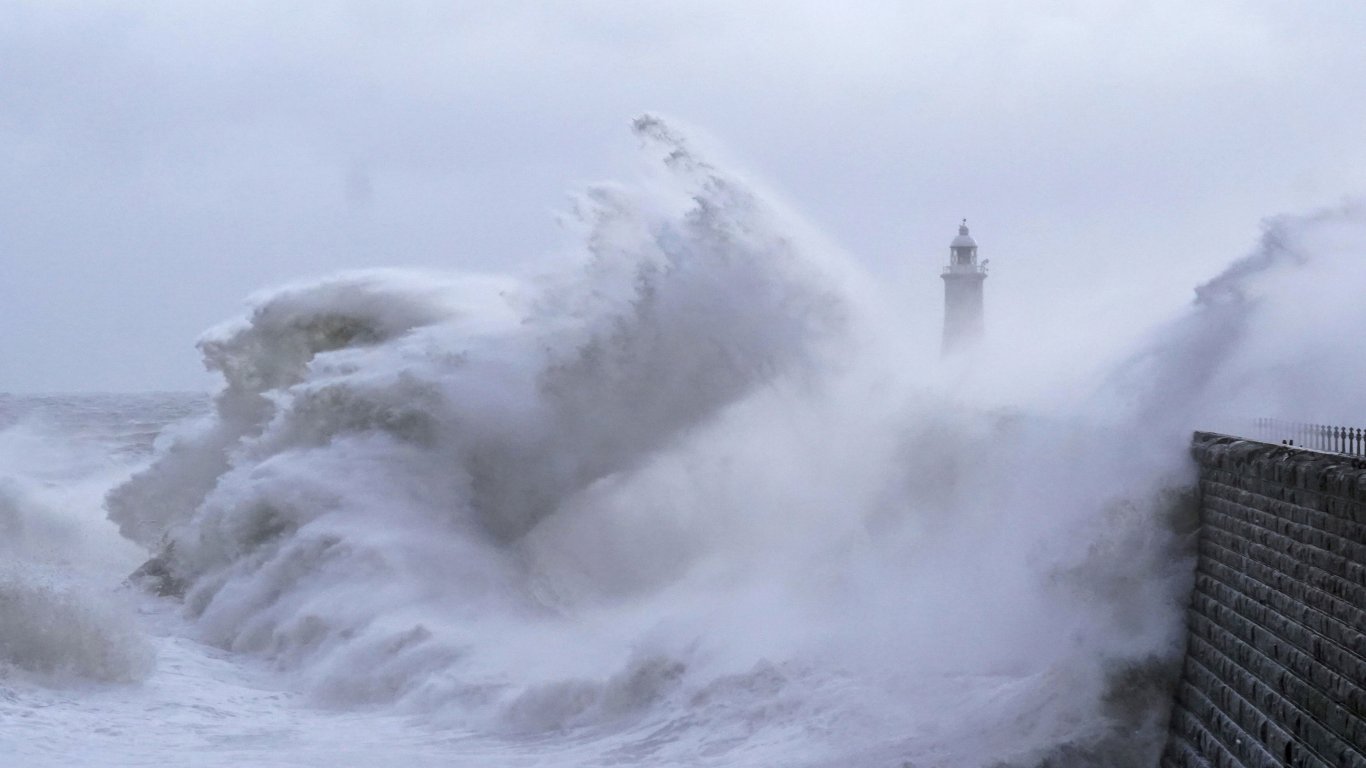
963 279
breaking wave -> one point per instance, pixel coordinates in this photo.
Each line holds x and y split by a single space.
60 620
54 634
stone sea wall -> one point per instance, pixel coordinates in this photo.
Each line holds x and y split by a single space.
1275 667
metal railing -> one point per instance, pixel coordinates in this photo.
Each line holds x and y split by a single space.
1349 441
965 269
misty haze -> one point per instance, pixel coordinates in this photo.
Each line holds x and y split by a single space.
877 384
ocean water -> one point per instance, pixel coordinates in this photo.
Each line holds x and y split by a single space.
684 500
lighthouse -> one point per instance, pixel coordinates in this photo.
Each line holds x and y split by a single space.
963 279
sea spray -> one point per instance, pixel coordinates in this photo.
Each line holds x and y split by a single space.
683 502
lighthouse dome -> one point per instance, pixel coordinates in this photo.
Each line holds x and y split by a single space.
964 240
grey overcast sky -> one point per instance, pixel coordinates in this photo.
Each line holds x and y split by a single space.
160 161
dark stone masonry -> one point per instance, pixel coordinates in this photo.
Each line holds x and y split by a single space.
1275 667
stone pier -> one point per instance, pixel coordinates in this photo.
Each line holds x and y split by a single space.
1275 667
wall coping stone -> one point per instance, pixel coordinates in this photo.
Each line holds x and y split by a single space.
1328 474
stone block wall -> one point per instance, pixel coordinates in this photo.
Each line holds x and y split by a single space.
1275 667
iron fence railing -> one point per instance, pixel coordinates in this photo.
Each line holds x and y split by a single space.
1350 441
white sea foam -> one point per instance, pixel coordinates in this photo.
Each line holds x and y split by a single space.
685 502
